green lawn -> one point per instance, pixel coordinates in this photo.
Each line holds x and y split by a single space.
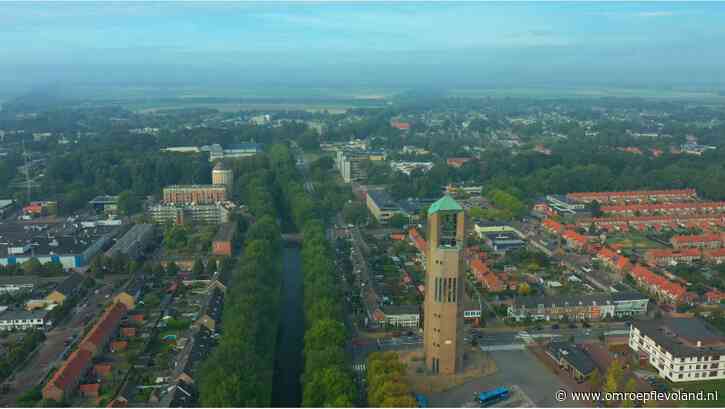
633 240
705 386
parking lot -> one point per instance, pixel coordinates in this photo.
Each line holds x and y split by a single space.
519 368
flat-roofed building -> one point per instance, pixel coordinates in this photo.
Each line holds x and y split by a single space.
133 242
592 307
216 213
381 205
23 320
105 204
236 151
72 246
680 349
401 316
198 194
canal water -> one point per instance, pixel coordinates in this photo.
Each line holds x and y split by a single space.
288 366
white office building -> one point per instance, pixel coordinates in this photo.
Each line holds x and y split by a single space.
680 349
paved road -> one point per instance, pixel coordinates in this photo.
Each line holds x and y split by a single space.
489 340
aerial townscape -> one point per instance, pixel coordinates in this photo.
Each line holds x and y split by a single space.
208 216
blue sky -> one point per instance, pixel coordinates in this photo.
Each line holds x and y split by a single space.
674 42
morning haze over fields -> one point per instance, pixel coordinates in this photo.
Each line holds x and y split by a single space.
362 204
354 45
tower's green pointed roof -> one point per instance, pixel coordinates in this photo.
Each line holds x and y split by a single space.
445 204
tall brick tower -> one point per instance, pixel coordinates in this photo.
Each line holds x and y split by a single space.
445 275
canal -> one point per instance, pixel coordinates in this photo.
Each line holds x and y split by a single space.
288 366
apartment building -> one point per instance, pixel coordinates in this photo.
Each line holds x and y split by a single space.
637 196
23 320
680 349
664 257
665 208
698 241
216 213
623 223
198 194
579 307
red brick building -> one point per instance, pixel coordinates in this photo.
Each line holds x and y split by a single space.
700 241
223 241
199 194
665 208
664 257
66 379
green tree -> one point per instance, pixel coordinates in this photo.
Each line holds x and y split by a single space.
596 209
172 269
398 220
614 377
595 381
198 268
32 266
631 387
128 203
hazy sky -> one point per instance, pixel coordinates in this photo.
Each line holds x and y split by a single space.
450 44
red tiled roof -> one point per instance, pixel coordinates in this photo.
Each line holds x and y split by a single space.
662 284
478 266
90 389
553 225
631 149
72 369
716 219
622 263
715 296
698 238
418 240
574 236
664 206
492 282
400 125
106 325
715 253
657 253
606 254
457 162
636 193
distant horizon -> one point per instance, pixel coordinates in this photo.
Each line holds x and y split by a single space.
362 45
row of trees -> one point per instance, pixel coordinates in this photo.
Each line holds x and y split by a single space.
33 267
387 387
18 351
239 371
326 380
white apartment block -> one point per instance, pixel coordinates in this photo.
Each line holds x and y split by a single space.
680 349
23 320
